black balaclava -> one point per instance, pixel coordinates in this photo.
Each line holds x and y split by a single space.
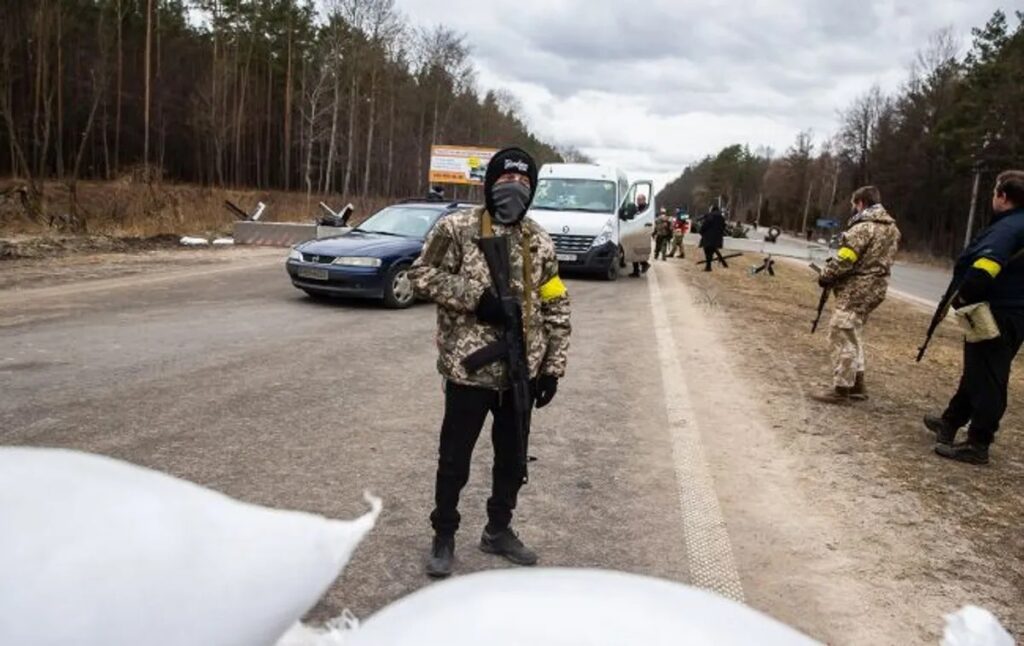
510 204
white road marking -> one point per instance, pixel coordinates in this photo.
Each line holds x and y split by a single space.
708 549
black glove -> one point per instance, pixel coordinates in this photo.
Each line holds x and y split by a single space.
545 389
488 309
825 282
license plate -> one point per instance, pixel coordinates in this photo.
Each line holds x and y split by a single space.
567 257
312 272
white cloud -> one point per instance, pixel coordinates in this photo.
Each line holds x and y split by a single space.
651 85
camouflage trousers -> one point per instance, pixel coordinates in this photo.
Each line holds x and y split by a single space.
677 245
846 337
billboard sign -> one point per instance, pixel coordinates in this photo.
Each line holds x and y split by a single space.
459 164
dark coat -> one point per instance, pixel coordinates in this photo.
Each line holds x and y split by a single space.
997 244
712 231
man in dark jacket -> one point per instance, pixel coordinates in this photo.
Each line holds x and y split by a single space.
712 237
987 271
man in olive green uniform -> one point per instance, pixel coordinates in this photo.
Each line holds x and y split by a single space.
858 278
453 272
662 234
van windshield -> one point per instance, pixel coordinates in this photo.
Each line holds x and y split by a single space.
589 195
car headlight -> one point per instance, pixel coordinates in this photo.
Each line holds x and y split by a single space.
356 261
295 254
607 231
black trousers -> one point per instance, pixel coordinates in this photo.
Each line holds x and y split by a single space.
465 410
981 396
709 257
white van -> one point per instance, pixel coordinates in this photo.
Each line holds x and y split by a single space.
591 213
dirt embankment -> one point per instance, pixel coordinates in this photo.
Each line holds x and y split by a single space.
117 215
951 531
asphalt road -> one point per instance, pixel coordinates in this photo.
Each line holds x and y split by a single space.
919 282
232 378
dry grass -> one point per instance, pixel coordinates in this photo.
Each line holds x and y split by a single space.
883 439
128 209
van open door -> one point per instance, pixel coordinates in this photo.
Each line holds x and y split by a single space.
636 226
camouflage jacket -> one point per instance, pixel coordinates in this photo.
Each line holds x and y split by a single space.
860 272
452 272
663 226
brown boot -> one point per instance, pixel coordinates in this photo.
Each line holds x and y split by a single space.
859 391
837 395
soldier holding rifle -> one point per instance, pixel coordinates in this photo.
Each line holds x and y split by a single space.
503 337
858 277
990 271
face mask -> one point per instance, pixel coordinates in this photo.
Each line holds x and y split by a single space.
510 202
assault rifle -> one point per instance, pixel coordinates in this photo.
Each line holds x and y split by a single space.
940 315
821 301
511 348
720 259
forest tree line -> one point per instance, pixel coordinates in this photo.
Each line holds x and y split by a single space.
243 93
922 146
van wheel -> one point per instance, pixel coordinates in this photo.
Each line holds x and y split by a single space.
398 293
612 271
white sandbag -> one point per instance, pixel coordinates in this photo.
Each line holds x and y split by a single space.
98 552
569 608
974 626
223 242
192 241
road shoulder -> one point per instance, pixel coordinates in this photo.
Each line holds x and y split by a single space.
836 515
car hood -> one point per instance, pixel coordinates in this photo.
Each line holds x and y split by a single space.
358 243
578 223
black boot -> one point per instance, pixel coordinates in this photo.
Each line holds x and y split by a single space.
506 543
964 452
944 431
644 266
442 554
859 391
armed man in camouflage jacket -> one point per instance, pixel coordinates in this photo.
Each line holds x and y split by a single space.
452 272
859 278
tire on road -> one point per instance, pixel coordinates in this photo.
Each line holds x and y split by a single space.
398 293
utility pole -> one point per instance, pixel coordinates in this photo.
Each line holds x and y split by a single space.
974 204
757 216
807 208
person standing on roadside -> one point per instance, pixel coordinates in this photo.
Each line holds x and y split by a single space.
662 234
712 237
680 226
642 266
989 270
859 278
452 272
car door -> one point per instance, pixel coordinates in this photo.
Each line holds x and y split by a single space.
636 227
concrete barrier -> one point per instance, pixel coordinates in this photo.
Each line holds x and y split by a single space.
281 234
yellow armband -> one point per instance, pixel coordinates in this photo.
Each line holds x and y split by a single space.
990 267
552 289
848 255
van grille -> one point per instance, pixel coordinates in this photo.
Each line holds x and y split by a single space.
572 244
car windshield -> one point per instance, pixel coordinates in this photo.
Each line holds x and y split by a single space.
590 195
405 221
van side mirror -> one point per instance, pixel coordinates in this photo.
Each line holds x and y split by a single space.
628 211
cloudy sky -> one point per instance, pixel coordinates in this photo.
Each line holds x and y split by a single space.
651 85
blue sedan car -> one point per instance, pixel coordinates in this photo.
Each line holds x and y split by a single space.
372 260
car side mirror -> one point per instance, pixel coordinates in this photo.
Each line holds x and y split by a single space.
628 211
